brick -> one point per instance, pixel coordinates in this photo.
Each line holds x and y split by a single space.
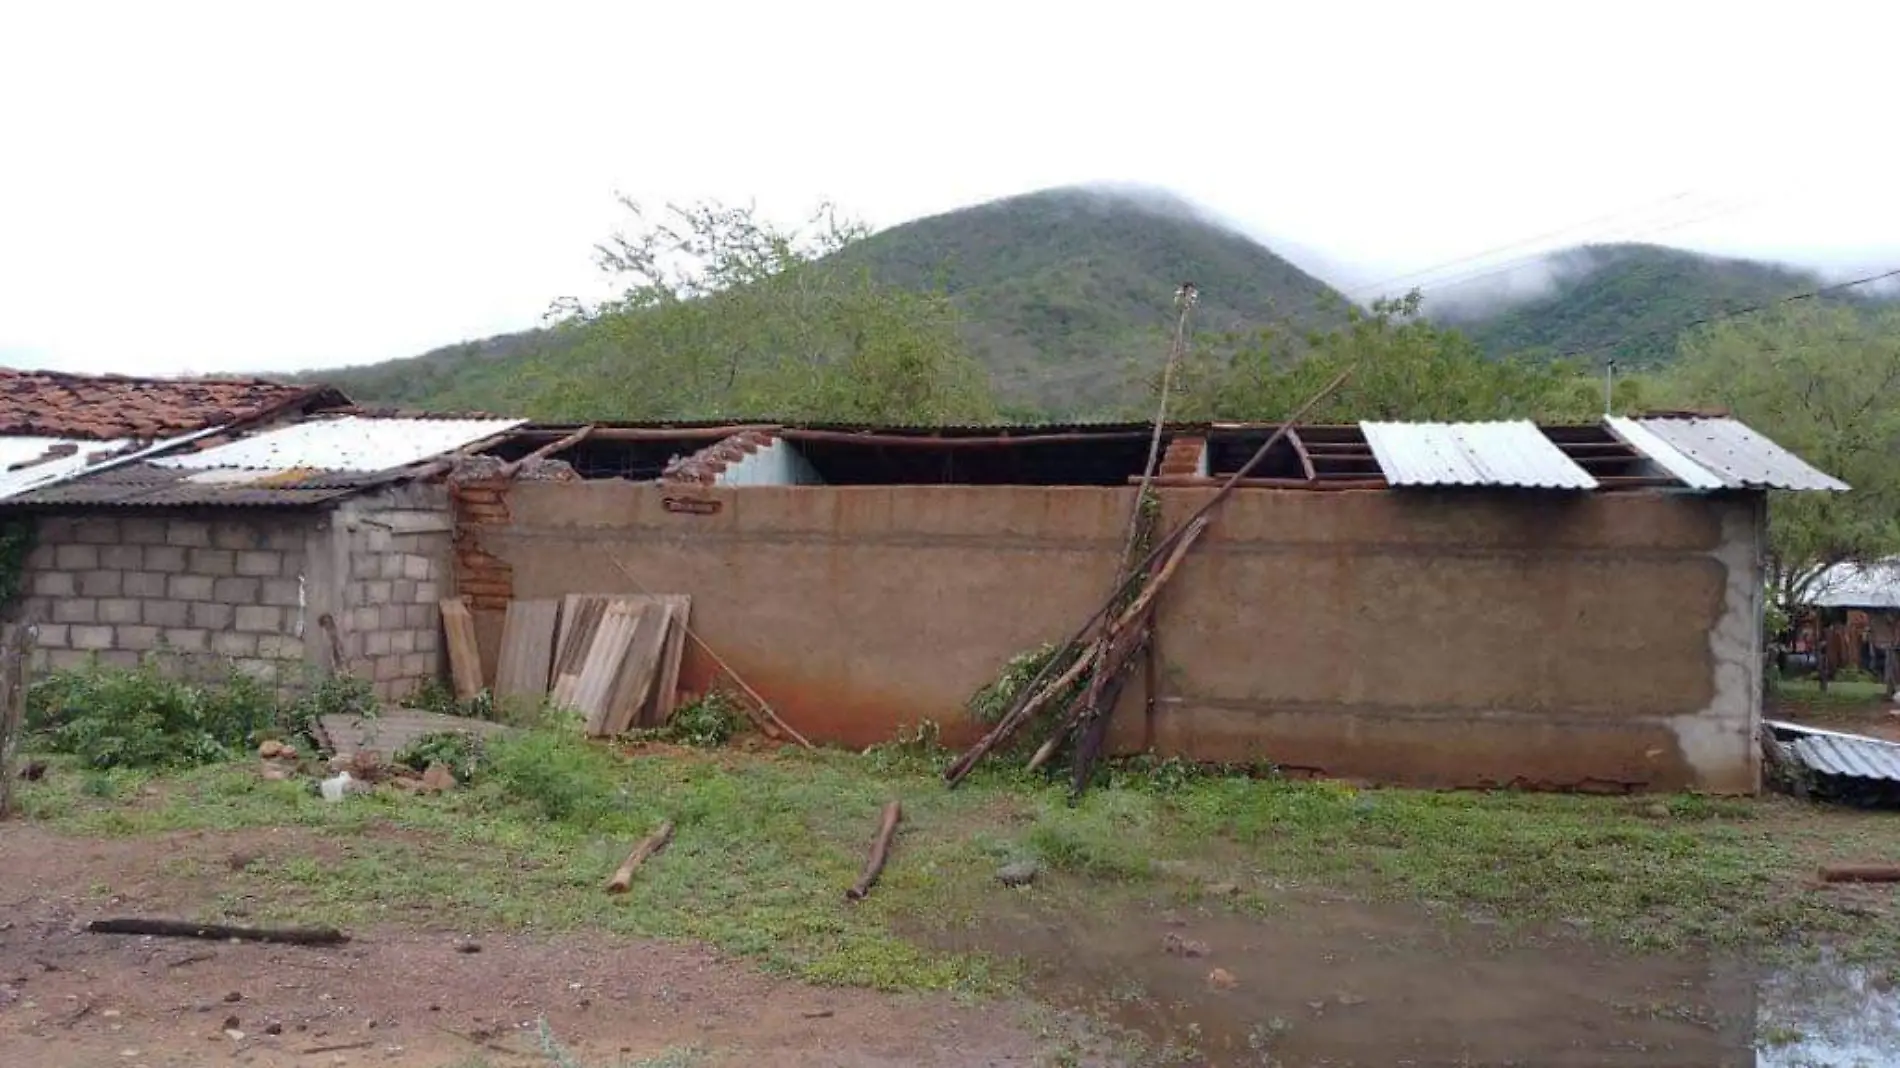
388 667
166 558
143 531
428 592
121 610
378 593
186 639
53 636
393 617
54 528
54 584
190 533
119 658
261 670
402 591
393 567
420 616
378 643
67 659
428 641
139 638
364 619
210 615
236 535
77 557
101 583
144 584
190 587
419 568
97 530
90 637
261 563
365 565
75 610
377 539
285 538
402 641
42 557
280 647
122 557
165 613
260 618
416 665
287 592
211 562
235 590
232 643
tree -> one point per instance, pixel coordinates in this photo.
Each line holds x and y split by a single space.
1824 382
1404 367
722 315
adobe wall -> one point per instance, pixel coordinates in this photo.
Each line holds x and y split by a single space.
1601 641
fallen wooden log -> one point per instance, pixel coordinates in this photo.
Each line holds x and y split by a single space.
293 936
623 877
880 852
1861 873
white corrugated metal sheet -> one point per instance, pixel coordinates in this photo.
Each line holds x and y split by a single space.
352 443
1709 454
1835 753
25 450
1515 454
1854 586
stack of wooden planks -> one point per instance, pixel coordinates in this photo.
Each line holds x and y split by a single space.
614 658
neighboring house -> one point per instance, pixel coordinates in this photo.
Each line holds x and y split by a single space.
1870 592
247 524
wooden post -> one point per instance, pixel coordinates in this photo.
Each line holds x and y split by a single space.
15 650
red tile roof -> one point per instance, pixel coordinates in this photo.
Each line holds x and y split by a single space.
104 407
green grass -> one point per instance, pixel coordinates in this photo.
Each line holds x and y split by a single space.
1841 692
766 844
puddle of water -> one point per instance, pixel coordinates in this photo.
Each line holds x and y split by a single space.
1828 1015
1344 984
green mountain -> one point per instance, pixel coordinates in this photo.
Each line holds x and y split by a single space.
1629 302
1066 295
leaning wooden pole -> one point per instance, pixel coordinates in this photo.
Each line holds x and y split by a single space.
623 876
294 936
880 852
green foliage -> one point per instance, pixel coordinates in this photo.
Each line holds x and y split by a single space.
16 541
330 694
558 776
708 723
1824 382
462 752
146 718
1404 366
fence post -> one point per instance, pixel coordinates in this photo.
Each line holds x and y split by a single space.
16 643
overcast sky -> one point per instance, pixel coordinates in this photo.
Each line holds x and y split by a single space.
268 186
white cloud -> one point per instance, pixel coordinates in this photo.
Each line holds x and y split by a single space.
247 186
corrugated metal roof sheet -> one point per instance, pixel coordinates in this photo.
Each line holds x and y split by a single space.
1854 586
1834 753
80 463
352 443
1710 454
147 485
1514 454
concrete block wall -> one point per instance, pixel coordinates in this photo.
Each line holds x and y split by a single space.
216 590
396 549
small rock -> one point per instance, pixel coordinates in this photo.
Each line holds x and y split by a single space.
231 1023
438 778
35 770
1656 810
273 1028
1183 947
270 750
468 947
1349 1000
234 1034
1222 979
341 762
1223 889
233 998
275 773
1021 873
288 752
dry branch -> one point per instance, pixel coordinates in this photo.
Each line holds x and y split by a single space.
623 877
880 852
291 936
1861 873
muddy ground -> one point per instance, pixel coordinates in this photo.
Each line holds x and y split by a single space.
1316 982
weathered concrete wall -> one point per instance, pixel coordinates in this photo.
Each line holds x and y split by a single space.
1602 641
244 587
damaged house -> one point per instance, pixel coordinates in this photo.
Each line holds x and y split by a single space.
229 523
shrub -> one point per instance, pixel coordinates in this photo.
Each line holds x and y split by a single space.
463 752
145 718
560 776
331 695
708 722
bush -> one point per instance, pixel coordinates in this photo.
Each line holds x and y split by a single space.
145 718
461 751
708 722
560 776
331 695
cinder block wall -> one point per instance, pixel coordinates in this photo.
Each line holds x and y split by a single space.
397 547
216 589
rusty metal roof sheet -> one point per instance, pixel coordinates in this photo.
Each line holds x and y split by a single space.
1834 753
1716 453
351 443
1513 454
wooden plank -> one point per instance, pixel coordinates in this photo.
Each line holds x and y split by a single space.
527 648
641 665
593 691
579 622
465 657
658 710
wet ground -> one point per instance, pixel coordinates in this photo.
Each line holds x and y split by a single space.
1341 983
